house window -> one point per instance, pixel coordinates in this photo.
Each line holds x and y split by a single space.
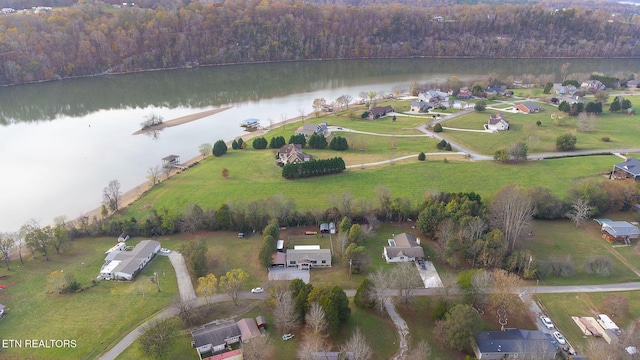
314 262
324 261
292 262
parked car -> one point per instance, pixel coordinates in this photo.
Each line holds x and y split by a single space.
240 235
257 290
165 251
560 338
546 322
286 337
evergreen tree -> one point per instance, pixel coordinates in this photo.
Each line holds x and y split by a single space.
259 143
219 148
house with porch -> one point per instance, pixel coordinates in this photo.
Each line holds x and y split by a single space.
626 169
307 129
305 257
403 248
214 338
421 106
513 344
497 122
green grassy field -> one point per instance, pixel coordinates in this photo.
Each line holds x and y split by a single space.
562 306
203 184
620 128
96 318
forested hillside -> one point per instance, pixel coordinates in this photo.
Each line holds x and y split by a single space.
92 38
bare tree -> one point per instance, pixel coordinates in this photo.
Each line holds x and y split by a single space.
481 282
343 242
512 212
285 314
152 174
581 211
20 244
111 195
382 285
384 197
318 104
6 244
205 149
258 348
504 292
357 346
315 320
310 347
302 114
450 291
616 304
406 279
422 351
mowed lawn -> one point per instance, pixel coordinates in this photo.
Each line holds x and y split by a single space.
621 129
562 306
96 318
253 176
560 240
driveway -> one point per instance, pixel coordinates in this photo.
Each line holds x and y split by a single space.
429 275
185 286
289 274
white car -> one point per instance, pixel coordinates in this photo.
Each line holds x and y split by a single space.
286 337
257 290
165 251
546 322
560 338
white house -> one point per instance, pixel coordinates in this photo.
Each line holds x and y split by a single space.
497 122
403 248
125 265
215 337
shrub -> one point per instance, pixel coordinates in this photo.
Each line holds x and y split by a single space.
566 142
605 139
219 148
538 122
339 143
259 143
448 147
480 106
599 265
441 145
277 142
437 128
422 156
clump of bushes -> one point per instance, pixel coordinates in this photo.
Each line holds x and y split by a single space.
605 139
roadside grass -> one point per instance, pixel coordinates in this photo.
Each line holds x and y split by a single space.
560 240
562 306
96 318
618 127
203 184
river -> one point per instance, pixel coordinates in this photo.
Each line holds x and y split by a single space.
62 142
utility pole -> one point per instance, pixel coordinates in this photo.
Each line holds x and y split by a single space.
157 280
350 260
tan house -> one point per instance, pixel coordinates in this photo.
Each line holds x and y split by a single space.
306 257
403 248
292 154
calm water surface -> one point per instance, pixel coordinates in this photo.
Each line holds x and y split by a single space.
62 142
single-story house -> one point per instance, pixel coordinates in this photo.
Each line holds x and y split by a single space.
292 154
308 129
379 111
248 329
621 231
421 106
464 94
564 89
632 84
513 344
627 169
497 122
305 258
403 248
528 107
125 265
433 96
215 336
495 91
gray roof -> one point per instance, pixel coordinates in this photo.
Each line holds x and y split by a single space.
130 260
304 255
512 341
407 245
632 166
532 106
620 228
215 333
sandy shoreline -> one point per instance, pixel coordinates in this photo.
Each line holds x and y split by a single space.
128 197
182 120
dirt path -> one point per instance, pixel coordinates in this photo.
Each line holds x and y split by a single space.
403 329
182 120
622 259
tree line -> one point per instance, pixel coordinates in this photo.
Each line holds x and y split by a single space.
85 39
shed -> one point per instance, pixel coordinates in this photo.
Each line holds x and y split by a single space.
262 324
280 246
324 228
